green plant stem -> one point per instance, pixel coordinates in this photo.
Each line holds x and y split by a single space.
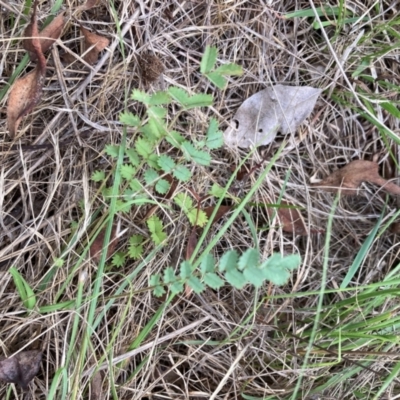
321 295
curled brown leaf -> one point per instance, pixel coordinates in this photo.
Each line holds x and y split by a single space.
27 90
21 368
93 44
46 37
347 179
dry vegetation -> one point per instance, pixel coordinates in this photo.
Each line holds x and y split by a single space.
224 344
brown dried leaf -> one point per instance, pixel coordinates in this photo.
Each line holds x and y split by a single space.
93 39
27 91
222 210
290 219
21 368
46 37
24 95
97 246
89 4
192 243
349 178
96 386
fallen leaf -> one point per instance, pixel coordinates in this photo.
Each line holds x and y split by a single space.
96 43
97 246
150 67
192 243
349 178
46 37
21 368
27 90
96 386
88 5
290 219
222 210
276 109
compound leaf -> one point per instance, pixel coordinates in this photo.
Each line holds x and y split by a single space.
133 157
156 229
228 261
141 96
215 138
144 148
112 150
150 176
186 269
254 275
166 163
235 278
230 70
162 186
218 80
128 171
250 258
208 60
195 284
182 173
159 98
207 264
127 118
213 280
169 275
98 176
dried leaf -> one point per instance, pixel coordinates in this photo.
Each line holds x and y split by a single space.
348 179
89 4
192 243
27 91
263 115
46 37
97 246
290 219
96 386
21 368
222 210
93 39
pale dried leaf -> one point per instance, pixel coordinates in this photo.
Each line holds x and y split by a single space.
21 368
93 39
349 178
275 109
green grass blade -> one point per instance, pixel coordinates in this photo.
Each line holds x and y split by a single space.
363 252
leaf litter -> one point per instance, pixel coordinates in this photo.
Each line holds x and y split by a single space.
276 109
93 45
347 179
27 91
21 368
47 36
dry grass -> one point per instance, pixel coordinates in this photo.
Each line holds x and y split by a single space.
45 189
